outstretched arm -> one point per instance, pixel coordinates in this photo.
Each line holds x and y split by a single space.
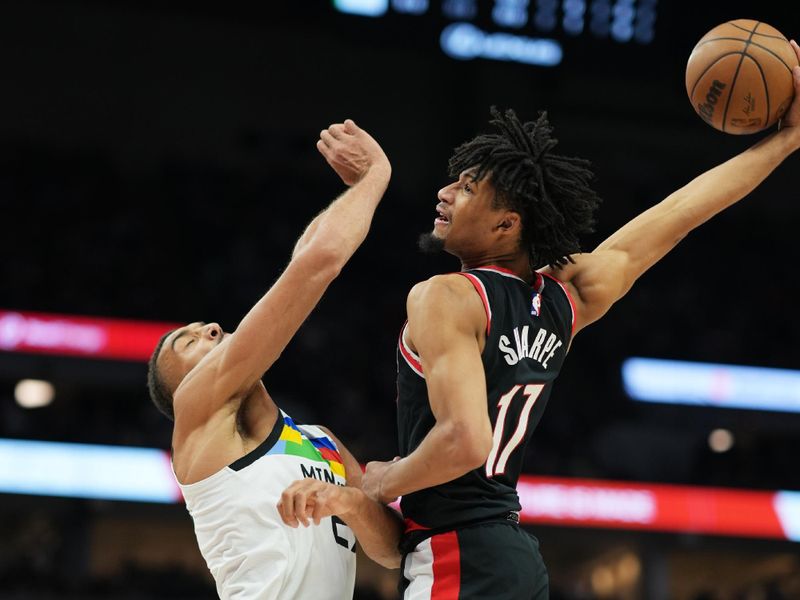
232 368
605 275
377 527
445 321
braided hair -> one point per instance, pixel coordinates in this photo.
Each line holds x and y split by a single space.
550 192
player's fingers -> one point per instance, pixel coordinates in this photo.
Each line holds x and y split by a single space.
326 136
289 499
281 511
796 49
286 508
796 78
351 127
320 508
325 150
301 500
336 131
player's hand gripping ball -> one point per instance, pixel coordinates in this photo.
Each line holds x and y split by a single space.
739 76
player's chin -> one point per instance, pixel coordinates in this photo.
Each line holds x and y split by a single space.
431 242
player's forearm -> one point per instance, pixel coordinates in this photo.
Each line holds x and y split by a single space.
651 235
309 232
446 453
343 226
731 181
377 528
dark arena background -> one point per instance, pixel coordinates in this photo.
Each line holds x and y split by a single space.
158 161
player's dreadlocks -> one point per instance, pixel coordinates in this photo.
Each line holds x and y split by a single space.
550 192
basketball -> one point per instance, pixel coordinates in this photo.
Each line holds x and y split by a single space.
739 76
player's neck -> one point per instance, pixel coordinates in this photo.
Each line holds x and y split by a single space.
257 413
517 263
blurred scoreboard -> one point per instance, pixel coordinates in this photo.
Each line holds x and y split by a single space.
524 31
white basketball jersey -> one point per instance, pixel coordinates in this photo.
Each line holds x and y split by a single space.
249 551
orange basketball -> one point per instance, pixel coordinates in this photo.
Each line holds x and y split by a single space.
739 76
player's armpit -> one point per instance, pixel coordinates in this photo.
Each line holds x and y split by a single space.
595 282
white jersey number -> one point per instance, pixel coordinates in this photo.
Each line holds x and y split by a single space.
496 463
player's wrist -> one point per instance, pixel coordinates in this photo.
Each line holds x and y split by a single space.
380 170
789 129
386 489
353 503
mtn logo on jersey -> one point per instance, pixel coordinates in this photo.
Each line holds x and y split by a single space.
536 304
320 449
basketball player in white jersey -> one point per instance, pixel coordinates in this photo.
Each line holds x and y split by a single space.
236 454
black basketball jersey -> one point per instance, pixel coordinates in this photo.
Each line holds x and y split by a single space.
528 333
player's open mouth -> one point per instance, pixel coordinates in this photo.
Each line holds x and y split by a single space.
441 219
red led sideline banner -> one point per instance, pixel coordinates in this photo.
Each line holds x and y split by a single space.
145 475
66 335
685 509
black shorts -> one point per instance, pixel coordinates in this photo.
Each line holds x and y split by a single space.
487 561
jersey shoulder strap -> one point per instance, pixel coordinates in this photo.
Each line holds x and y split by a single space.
560 294
325 445
491 283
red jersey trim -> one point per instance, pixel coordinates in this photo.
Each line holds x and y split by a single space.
446 566
412 525
569 297
410 357
538 283
479 287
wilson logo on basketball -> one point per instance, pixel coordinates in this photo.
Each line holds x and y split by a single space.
706 110
749 104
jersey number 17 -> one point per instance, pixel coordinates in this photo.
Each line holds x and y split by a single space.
496 463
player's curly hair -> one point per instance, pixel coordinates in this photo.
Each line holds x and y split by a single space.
550 192
159 391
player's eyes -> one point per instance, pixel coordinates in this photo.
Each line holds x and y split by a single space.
467 188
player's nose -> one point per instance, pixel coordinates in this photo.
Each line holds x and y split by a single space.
212 330
446 193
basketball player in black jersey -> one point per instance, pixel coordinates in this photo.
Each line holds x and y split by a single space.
481 348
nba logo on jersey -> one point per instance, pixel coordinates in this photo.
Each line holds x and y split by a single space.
536 305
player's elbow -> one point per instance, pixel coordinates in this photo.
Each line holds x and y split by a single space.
392 562
388 560
470 443
481 447
325 261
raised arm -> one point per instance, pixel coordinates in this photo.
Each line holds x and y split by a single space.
445 323
236 365
602 277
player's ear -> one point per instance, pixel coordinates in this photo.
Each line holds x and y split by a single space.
509 221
